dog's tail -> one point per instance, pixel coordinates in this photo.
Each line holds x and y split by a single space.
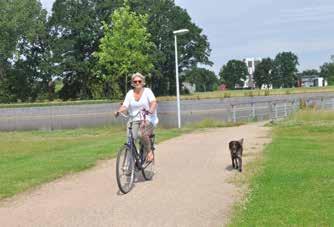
241 141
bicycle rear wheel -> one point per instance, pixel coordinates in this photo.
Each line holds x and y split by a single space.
148 168
125 169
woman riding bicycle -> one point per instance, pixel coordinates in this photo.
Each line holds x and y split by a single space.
136 100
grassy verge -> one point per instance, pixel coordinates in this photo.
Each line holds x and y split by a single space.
295 185
249 93
30 158
198 95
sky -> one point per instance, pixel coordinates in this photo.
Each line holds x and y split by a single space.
240 29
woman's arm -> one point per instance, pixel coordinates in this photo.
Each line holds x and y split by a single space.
121 109
153 106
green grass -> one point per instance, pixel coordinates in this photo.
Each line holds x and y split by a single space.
30 158
197 95
295 184
249 93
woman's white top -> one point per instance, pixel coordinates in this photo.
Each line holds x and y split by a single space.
134 106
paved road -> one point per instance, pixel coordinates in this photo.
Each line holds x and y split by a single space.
60 117
191 188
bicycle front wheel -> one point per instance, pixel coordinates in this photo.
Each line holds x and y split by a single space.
125 169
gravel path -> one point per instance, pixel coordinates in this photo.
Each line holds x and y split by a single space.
190 188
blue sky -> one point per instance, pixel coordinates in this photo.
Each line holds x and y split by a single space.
262 28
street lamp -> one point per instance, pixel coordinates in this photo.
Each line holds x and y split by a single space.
178 32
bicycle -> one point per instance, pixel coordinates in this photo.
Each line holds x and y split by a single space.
129 160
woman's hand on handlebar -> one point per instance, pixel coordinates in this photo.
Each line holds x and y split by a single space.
147 112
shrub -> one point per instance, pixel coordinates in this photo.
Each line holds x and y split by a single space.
227 95
266 92
249 93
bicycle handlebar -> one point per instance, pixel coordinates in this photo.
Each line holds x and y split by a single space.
143 111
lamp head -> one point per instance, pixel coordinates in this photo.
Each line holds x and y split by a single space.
180 32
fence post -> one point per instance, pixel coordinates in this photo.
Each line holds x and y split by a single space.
233 114
52 118
285 110
298 105
253 111
294 106
270 107
15 118
322 103
275 106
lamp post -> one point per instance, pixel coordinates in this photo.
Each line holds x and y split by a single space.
178 32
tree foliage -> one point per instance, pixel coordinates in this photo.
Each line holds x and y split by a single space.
204 79
284 71
75 30
327 72
125 49
262 74
163 18
234 73
310 72
23 69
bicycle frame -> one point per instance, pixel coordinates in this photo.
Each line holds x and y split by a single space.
131 142
133 148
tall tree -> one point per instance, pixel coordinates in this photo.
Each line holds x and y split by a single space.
284 71
163 18
262 74
204 79
22 37
125 49
75 28
327 72
234 73
310 72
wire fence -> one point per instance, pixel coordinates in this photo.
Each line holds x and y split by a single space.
277 109
254 111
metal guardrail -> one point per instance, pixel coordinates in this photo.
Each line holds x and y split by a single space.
277 109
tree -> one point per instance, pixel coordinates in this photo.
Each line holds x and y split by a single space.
310 72
234 73
262 74
163 18
204 79
125 49
327 72
22 48
284 71
75 29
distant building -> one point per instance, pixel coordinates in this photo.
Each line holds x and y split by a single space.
251 64
189 87
313 81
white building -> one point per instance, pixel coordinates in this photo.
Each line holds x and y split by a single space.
313 81
251 64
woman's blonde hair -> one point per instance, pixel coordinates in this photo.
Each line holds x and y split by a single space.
138 75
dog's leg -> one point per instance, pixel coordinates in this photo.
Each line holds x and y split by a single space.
233 165
240 164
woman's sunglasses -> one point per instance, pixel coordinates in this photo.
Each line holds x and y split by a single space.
137 81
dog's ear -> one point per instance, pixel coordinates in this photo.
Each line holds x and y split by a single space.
241 141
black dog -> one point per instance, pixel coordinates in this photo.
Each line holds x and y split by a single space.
236 153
